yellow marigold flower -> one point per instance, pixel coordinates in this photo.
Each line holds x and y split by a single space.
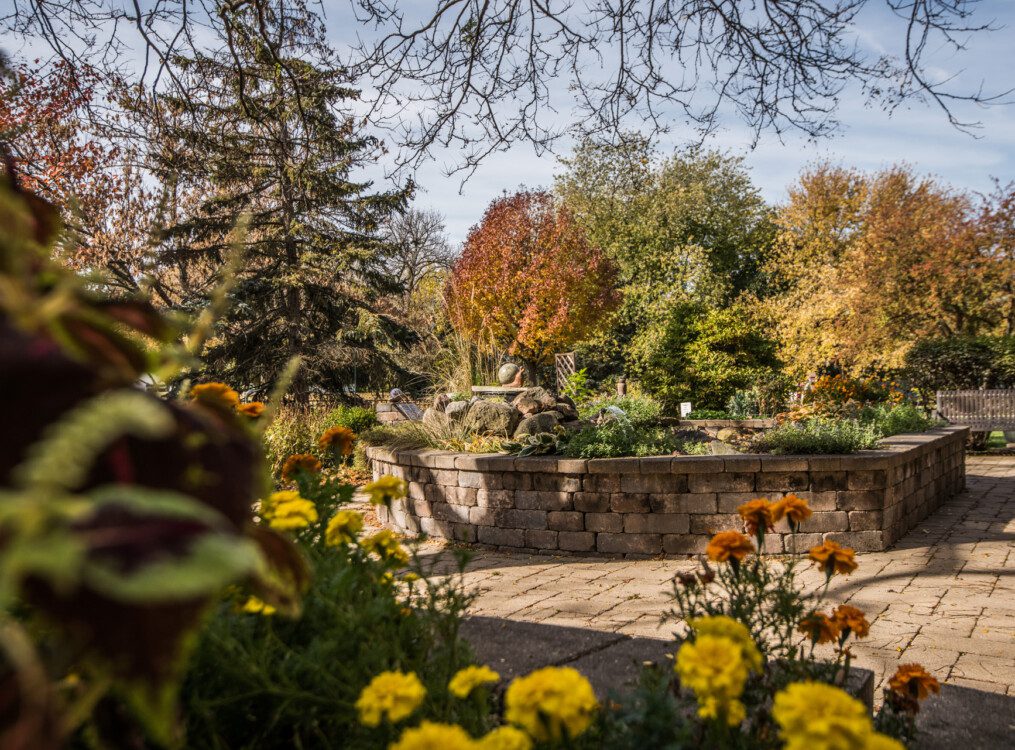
386 578
391 695
505 738
728 545
300 462
266 508
833 558
432 736
468 679
386 546
255 606
385 489
727 627
410 577
878 741
252 409
757 515
816 716
794 509
550 702
914 681
343 528
216 395
820 628
851 619
337 440
293 514
713 667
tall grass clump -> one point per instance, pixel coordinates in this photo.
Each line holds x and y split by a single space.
820 436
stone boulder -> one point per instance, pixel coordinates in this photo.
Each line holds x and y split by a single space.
728 434
544 421
567 411
456 410
534 400
435 420
492 418
441 402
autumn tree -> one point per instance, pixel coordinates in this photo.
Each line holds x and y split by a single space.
65 157
529 281
868 264
272 138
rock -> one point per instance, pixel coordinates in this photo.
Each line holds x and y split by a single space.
727 434
435 420
441 402
719 448
543 422
492 418
456 410
567 410
507 373
534 400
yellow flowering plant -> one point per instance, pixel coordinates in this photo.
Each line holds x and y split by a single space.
390 696
551 704
468 679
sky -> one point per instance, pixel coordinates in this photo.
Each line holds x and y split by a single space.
918 134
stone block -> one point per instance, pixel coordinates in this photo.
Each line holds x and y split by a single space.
860 500
446 477
654 483
533 500
683 503
724 482
463 495
728 502
625 503
614 466
541 539
495 498
463 532
656 523
445 512
783 481
556 483
501 537
866 520
861 541
517 480
711 524
591 502
522 519
611 522
684 544
576 541
656 465
421 508
867 480
469 462
480 480
601 483
784 463
826 521
827 481
697 465
645 544
567 520
742 464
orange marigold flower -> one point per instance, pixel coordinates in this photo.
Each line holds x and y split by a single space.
305 461
338 440
820 627
794 509
729 544
915 681
834 558
851 619
217 395
252 409
757 515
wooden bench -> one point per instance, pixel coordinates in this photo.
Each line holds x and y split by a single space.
981 411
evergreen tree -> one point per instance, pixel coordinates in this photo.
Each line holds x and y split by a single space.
264 131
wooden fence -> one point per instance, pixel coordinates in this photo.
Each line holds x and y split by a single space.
981 411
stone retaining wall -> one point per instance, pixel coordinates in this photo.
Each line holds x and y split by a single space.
670 504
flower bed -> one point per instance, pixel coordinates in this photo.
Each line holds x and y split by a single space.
670 504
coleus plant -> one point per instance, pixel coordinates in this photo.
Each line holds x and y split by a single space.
122 516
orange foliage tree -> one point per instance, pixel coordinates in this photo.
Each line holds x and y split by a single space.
869 264
528 281
45 125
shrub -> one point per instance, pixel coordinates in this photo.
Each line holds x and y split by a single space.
356 418
615 439
640 410
898 419
577 387
709 414
293 430
819 436
961 362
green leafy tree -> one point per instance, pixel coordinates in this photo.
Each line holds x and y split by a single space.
688 228
704 355
271 138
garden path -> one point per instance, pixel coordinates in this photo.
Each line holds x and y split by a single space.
943 596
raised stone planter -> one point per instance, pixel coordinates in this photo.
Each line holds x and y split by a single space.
670 504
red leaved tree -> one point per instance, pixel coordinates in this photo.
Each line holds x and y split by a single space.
528 281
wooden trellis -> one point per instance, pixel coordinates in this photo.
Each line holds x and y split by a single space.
985 410
566 367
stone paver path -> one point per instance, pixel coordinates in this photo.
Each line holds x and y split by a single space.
943 596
